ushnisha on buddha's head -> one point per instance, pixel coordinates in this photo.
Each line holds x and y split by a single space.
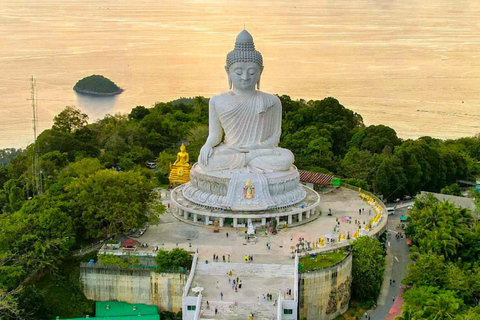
244 65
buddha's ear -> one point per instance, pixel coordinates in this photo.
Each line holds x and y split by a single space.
229 79
259 77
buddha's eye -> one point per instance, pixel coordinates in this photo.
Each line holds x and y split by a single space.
252 71
238 71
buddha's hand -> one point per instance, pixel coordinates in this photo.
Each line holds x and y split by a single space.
205 153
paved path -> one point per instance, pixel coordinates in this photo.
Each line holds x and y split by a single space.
171 233
397 259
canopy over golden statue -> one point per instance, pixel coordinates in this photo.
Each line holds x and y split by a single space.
180 169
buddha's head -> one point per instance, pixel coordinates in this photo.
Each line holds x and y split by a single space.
244 64
182 148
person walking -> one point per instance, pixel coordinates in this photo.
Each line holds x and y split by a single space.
226 234
208 305
223 258
216 310
221 295
240 284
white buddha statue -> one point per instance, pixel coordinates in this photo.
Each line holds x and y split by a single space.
241 167
249 120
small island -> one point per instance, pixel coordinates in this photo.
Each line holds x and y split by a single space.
97 85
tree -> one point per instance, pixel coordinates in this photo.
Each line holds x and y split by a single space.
111 202
453 189
375 139
367 269
174 259
70 120
138 113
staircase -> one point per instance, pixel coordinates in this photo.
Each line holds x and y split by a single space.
257 280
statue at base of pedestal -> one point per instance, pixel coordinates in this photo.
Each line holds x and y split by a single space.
241 167
180 169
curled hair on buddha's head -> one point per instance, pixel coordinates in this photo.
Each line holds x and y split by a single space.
244 51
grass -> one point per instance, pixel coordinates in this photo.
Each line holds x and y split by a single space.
321 260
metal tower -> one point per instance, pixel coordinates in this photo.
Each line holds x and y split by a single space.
37 174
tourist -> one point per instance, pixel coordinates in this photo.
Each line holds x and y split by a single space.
246 258
366 315
263 297
208 305
228 258
360 211
214 257
216 310
233 284
275 303
229 280
236 288
223 258
237 279
393 298
226 234
240 284
221 295
206 261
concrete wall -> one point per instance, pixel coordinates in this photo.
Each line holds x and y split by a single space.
325 293
134 286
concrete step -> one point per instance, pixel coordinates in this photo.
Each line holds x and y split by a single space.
228 310
246 270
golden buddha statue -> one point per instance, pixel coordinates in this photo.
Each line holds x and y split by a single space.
180 169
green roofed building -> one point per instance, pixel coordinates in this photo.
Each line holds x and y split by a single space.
117 310
123 309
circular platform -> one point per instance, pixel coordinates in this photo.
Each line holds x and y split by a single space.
187 210
227 189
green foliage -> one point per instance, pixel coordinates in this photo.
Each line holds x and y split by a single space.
445 275
70 120
321 260
173 260
96 84
357 183
111 202
7 154
367 269
453 189
123 262
375 139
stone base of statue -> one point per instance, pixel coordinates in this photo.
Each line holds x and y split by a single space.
244 189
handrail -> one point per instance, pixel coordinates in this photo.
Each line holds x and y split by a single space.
186 289
198 307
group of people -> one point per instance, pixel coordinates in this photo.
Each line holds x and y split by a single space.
235 283
248 258
224 259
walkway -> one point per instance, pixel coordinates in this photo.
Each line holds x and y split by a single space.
397 260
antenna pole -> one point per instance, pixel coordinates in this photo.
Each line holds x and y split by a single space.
36 167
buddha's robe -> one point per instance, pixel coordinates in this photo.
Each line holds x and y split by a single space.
253 125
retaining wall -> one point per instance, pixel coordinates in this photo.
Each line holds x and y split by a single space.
133 286
325 293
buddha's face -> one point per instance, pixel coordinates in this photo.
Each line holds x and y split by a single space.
244 75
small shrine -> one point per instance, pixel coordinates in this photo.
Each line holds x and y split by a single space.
180 169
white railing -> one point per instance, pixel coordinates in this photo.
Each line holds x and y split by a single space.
295 284
191 275
279 306
198 307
